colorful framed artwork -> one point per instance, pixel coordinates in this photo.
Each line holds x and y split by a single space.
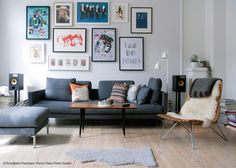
141 20
37 22
93 12
37 52
63 14
69 40
131 54
68 63
103 45
119 12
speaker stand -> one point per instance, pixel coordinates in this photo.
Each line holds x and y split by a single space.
177 102
16 96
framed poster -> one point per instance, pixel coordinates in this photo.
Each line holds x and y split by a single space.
119 12
93 12
131 54
37 52
68 63
69 40
141 20
63 14
37 22
103 44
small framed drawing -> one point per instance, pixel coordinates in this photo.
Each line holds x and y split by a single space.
63 14
141 20
93 12
68 63
69 40
119 12
37 52
103 44
131 54
37 22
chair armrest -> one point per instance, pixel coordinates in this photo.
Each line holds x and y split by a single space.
36 96
164 101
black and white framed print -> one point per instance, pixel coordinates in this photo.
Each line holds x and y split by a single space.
131 54
141 20
103 44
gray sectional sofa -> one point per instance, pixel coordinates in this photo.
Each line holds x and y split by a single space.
57 98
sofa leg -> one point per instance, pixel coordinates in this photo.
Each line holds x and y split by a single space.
34 141
47 128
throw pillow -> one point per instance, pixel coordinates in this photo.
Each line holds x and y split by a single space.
132 93
58 89
155 86
119 92
79 92
143 95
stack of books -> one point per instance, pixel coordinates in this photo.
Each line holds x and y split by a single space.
228 113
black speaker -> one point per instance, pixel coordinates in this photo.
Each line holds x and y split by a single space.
179 83
16 81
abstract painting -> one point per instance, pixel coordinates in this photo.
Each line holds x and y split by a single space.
37 22
141 20
131 54
69 40
37 52
103 44
63 14
93 12
119 12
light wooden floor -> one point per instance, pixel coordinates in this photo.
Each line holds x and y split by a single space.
176 151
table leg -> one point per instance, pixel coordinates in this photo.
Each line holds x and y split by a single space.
123 121
81 120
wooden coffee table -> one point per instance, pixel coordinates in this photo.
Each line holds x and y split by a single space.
84 106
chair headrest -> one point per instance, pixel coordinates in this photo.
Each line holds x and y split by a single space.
202 87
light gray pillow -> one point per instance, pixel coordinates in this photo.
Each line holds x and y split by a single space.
132 93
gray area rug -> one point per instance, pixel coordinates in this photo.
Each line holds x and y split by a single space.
116 156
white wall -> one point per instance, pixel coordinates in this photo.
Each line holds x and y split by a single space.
14 55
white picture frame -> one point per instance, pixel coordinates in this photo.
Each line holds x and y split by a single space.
68 63
63 14
120 12
37 52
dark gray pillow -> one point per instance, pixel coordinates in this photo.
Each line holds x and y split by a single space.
143 95
155 86
58 89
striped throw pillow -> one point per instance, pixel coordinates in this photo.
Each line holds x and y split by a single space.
79 92
119 92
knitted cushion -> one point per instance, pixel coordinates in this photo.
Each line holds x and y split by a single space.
119 92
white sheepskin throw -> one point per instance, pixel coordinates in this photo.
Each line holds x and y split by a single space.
203 109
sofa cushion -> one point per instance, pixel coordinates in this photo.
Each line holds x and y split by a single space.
105 88
79 92
155 86
89 84
143 94
58 89
119 92
132 93
16 117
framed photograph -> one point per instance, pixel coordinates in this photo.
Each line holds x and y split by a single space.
93 12
37 22
131 54
63 14
103 44
141 20
119 12
69 40
37 52
68 63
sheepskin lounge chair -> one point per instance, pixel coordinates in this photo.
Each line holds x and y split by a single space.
202 108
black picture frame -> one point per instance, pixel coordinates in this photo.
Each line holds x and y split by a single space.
148 12
57 34
128 50
34 28
107 38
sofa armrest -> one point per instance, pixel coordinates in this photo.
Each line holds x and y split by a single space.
36 96
164 101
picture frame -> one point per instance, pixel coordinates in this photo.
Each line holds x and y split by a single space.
92 12
63 14
141 20
37 22
120 12
68 63
37 52
71 40
103 45
131 53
